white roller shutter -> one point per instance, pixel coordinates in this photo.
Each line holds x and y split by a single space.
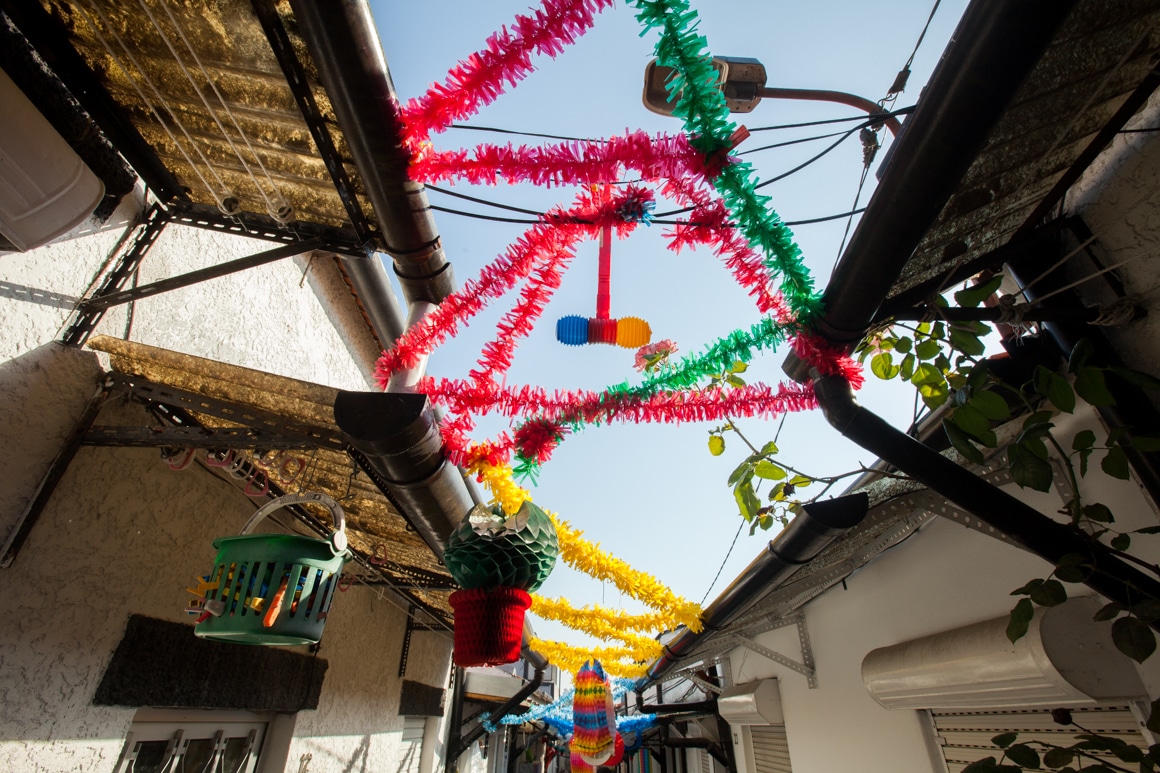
965 736
412 745
770 748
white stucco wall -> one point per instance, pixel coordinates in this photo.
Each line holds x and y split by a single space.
123 534
944 577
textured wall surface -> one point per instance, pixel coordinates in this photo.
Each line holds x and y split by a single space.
123 534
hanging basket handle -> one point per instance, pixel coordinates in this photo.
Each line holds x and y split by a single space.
337 537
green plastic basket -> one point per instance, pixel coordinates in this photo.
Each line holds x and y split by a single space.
274 588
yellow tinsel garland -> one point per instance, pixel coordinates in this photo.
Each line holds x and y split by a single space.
498 480
586 557
563 611
573 658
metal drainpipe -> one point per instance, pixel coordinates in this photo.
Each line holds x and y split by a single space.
1024 525
811 531
997 43
345 47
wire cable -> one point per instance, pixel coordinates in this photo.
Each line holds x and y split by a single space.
524 221
805 124
725 560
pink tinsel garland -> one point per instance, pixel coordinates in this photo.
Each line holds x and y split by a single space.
580 162
507 59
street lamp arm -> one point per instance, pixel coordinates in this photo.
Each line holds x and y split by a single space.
841 97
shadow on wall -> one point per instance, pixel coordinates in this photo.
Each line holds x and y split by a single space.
44 394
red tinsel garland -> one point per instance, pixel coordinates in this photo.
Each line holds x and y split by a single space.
654 158
588 406
507 59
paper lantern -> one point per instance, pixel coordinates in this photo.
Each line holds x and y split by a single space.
489 550
489 625
594 716
497 560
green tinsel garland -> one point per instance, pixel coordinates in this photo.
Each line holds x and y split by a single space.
702 108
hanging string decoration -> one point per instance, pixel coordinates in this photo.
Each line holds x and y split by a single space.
593 737
629 332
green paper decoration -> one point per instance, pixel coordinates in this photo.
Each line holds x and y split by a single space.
522 558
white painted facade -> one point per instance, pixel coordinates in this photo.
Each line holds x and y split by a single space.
123 534
947 576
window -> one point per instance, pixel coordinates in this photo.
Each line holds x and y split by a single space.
183 741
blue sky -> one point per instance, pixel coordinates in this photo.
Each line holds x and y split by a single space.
653 495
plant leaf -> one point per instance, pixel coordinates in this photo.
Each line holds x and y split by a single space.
1083 440
1050 594
907 366
1107 612
1055 388
1057 757
972 421
967 342
1003 740
1121 542
1023 756
747 502
1080 353
768 470
962 443
716 445
1027 469
1115 463
1090 384
1133 638
972 296
1098 512
990 405
1020 620
927 350
1153 722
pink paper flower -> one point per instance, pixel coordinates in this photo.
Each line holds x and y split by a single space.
650 356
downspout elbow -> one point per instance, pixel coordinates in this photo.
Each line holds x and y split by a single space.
836 399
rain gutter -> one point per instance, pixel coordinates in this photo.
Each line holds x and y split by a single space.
396 435
345 46
1001 41
811 531
996 45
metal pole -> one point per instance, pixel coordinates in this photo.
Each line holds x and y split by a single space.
841 97
102 302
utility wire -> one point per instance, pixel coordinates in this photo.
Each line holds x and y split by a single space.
496 130
720 569
523 221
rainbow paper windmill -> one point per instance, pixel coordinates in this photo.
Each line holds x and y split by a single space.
628 332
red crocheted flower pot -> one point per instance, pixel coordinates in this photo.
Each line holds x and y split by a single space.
489 625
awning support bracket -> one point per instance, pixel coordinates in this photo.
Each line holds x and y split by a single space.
806 667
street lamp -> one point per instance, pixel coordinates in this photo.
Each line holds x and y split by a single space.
742 81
